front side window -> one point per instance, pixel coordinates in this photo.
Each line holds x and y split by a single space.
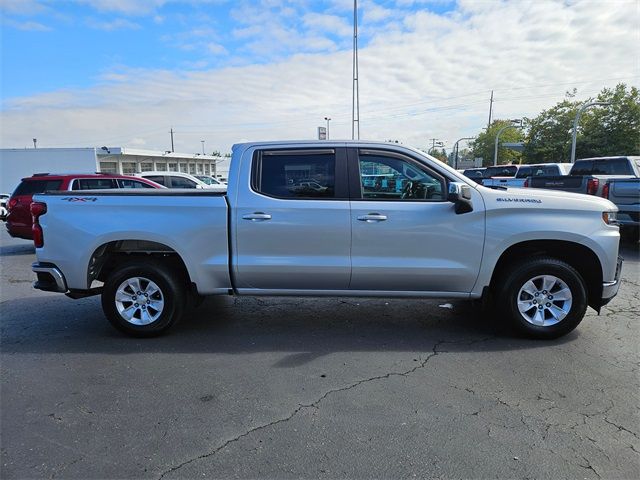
391 178
180 182
295 174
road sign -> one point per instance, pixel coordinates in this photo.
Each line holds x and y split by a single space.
322 133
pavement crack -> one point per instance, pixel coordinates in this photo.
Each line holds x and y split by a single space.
314 404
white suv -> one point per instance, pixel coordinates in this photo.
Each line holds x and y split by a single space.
179 180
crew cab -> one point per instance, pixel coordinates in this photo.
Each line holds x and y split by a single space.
388 221
526 171
589 175
18 207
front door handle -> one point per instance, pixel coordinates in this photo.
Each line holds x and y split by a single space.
257 216
372 217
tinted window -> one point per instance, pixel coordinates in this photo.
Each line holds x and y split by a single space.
179 182
501 171
582 167
391 178
133 184
157 178
614 166
295 174
93 183
31 187
473 173
537 171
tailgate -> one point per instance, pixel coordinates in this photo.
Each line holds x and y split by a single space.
566 183
625 191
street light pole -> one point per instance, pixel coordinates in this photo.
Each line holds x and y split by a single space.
435 144
511 125
456 147
575 125
202 141
328 119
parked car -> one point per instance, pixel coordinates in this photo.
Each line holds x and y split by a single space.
589 175
461 240
19 204
180 180
526 171
625 193
4 197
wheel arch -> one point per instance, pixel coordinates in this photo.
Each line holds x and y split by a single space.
579 256
110 255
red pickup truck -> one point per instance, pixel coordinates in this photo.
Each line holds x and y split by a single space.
19 214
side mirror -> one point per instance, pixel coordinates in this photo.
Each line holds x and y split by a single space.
460 196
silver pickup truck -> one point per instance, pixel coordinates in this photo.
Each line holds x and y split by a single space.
332 219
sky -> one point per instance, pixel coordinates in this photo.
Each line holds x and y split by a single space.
83 73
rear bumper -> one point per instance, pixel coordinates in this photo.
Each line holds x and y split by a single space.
50 278
610 289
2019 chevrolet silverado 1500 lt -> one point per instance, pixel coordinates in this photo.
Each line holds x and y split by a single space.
331 219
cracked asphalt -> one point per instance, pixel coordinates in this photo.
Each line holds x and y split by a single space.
313 388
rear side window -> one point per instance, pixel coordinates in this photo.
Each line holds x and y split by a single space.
501 171
157 178
31 187
295 174
132 184
94 183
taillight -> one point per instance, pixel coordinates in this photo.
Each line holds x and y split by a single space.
592 186
526 183
13 201
605 191
37 209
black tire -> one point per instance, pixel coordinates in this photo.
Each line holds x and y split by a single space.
172 293
507 290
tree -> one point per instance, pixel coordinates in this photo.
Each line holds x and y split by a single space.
614 129
484 144
440 155
603 131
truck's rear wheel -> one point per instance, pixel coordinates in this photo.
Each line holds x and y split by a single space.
143 299
542 297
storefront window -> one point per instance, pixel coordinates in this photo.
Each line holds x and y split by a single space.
128 168
108 167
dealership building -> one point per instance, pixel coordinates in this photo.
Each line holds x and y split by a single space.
17 163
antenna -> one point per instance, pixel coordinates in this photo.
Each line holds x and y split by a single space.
355 96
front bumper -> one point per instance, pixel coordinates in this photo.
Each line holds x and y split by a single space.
50 278
610 289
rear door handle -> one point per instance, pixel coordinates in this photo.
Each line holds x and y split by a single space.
372 217
257 216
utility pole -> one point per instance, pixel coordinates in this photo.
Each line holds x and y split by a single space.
456 147
517 123
355 95
575 124
171 131
490 110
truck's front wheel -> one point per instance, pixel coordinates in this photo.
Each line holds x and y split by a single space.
143 299
542 297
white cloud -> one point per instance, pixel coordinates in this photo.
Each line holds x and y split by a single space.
421 76
111 25
29 26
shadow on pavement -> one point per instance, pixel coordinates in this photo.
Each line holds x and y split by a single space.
307 327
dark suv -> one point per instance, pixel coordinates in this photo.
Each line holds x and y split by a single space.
19 204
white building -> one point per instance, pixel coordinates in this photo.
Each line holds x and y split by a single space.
17 163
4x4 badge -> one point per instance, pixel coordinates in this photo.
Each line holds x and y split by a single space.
80 199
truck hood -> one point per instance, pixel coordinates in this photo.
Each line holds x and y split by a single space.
555 199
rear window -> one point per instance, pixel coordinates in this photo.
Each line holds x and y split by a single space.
501 171
157 178
31 187
124 183
537 171
611 166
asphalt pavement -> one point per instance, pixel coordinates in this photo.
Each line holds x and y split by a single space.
313 388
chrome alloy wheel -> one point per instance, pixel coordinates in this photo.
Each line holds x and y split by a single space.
544 300
139 301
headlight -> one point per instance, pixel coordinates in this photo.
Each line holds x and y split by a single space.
610 218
